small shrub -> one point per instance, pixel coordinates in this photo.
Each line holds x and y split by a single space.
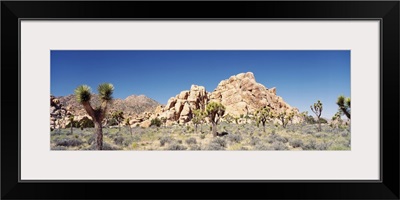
311 145
214 146
234 138
68 142
180 141
279 146
195 147
165 139
155 122
322 146
296 143
254 141
191 141
202 136
107 146
135 145
344 133
118 140
219 141
175 146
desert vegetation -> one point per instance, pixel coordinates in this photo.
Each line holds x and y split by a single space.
239 115
301 136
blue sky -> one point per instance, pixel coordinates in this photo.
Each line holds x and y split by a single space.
301 77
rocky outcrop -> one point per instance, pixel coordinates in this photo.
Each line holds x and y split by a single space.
180 107
242 95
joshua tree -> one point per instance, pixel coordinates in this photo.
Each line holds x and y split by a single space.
317 109
71 122
344 105
128 124
83 96
285 117
215 111
118 116
262 115
198 117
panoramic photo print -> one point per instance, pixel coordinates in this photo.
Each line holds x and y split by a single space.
200 100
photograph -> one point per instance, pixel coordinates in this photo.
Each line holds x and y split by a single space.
200 100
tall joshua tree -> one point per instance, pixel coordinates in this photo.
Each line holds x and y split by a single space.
344 105
215 111
83 96
317 109
262 115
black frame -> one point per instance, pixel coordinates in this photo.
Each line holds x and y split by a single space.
386 11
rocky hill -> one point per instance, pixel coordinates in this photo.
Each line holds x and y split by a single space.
240 94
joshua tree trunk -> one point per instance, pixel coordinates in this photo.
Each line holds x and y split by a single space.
99 134
263 125
195 128
214 129
72 129
319 124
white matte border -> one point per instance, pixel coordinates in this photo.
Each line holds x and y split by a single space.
39 37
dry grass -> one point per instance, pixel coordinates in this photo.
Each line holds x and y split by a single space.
240 137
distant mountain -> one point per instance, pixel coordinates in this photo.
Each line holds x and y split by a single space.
131 105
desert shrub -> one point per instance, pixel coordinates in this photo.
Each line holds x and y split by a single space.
155 122
68 142
195 147
219 141
202 136
320 135
118 140
136 138
107 146
322 146
279 146
344 133
262 147
244 148
295 143
191 141
254 141
276 137
175 146
58 148
234 138
165 139
179 141
310 145
214 146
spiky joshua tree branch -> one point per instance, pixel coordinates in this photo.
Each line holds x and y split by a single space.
344 105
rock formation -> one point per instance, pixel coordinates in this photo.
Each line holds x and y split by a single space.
180 107
242 95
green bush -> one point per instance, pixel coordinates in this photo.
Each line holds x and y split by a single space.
155 122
